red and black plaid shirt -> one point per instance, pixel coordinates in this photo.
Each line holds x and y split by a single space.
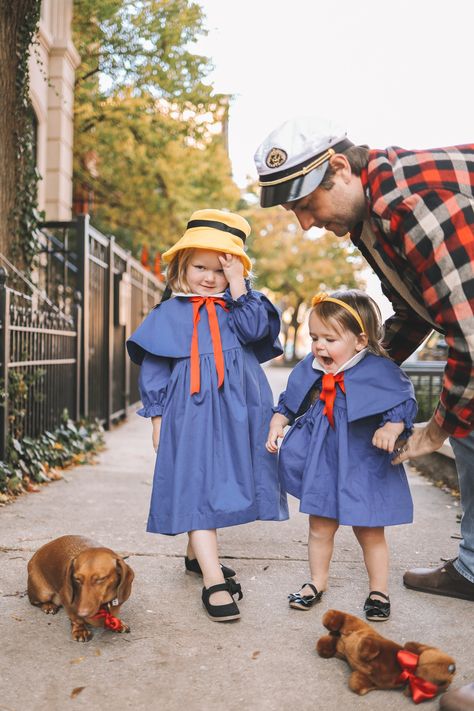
421 207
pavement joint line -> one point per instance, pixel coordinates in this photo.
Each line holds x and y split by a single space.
286 559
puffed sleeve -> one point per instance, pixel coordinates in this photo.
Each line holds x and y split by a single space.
282 409
153 383
249 316
405 412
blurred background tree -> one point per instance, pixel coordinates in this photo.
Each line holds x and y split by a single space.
295 265
150 140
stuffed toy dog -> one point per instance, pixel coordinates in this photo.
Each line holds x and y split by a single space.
379 663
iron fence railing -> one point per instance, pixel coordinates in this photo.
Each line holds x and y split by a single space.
39 364
427 379
116 292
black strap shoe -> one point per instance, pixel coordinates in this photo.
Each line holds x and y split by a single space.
192 566
222 613
377 610
305 602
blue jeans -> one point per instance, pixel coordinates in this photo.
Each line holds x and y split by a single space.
463 448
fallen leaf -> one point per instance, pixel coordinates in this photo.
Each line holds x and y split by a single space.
78 660
75 692
98 652
255 654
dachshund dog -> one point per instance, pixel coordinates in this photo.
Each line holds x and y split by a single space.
89 581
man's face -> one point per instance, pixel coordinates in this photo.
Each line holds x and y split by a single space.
337 210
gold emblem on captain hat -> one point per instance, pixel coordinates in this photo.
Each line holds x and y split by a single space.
276 157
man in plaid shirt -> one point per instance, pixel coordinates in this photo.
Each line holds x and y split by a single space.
411 214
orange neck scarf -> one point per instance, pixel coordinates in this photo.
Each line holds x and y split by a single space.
328 393
210 303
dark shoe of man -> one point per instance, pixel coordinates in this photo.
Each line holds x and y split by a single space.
444 580
461 699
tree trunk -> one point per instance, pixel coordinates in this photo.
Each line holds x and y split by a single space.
13 15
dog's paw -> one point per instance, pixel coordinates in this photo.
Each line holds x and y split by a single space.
81 634
50 608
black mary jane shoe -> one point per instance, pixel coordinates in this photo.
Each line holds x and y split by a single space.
377 610
192 566
304 602
222 613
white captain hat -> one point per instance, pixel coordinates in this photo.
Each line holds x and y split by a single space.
292 160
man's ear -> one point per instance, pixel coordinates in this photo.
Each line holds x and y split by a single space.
362 342
341 165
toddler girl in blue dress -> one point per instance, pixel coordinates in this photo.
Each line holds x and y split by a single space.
209 400
348 403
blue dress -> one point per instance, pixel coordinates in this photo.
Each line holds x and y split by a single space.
212 469
336 472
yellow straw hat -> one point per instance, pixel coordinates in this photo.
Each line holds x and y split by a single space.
216 230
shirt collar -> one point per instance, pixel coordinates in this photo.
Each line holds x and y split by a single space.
346 366
212 296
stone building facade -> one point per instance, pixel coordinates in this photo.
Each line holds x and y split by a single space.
53 62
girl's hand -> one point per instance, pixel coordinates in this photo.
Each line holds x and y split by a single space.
386 436
234 273
275 432
156 422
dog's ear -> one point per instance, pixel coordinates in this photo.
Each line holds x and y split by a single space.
126 576
368 649
69 588
415 647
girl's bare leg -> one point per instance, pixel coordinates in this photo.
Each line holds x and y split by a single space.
320 547
189 549
376 557
204 546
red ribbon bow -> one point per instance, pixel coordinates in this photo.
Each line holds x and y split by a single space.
420 689
198 302
328 393
110 621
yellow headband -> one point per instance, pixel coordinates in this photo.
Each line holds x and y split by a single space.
322 296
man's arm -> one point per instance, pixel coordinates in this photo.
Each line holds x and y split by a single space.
443 257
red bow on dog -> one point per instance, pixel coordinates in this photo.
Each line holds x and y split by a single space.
420 689
110 621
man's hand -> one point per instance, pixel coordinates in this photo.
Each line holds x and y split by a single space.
424 440
156 422
275 431
386 436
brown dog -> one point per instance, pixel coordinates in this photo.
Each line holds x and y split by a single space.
89 581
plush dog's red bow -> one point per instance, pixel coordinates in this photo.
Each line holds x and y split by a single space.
110 621
420 689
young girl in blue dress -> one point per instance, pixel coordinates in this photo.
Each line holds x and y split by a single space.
209 400
348 403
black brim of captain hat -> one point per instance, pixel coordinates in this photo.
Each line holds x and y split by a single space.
292 189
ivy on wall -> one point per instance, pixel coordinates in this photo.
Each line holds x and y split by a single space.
25 216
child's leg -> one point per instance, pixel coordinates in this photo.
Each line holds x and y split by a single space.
376 558
320 547
204 545
189 549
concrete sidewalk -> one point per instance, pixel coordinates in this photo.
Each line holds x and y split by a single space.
175 657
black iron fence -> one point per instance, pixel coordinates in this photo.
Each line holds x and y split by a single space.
427 379
62 339
39 364
116 292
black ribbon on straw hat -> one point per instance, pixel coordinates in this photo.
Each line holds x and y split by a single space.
217 226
